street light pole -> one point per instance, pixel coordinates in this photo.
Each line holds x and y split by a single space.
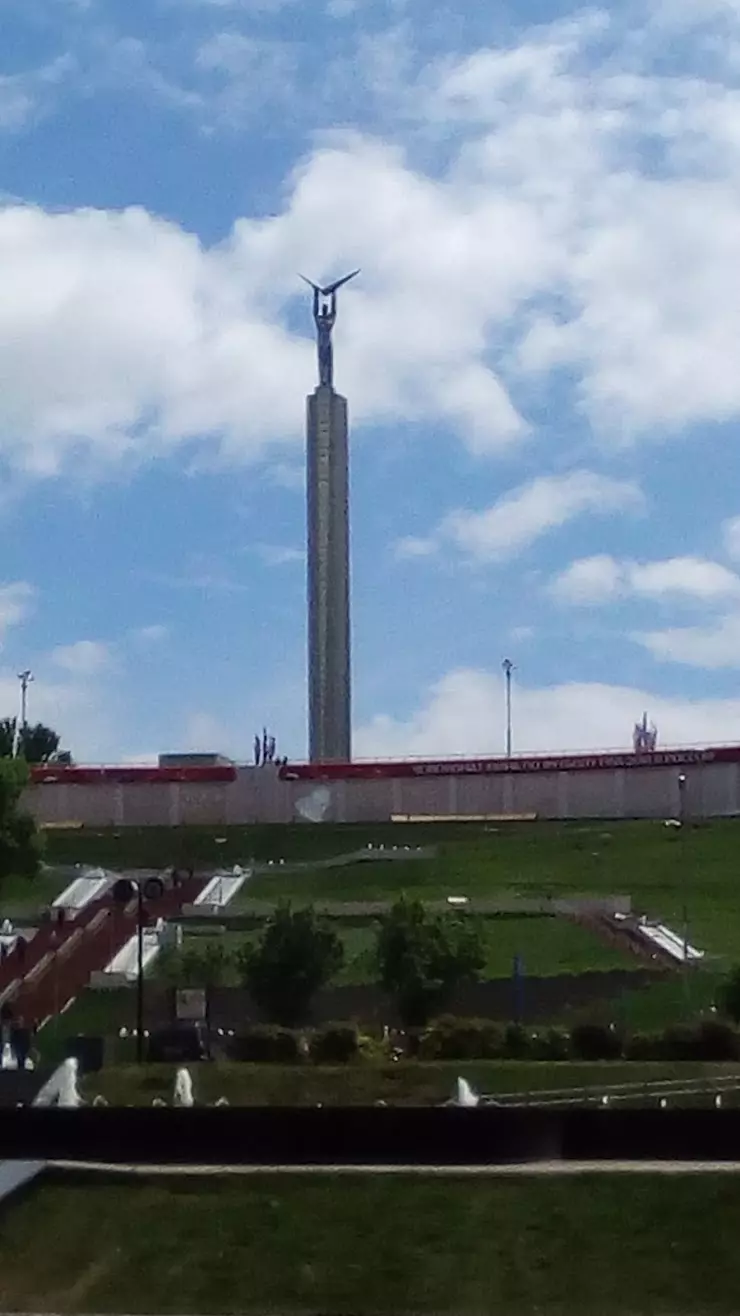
25 678
508 667
682 843
139 974
124 890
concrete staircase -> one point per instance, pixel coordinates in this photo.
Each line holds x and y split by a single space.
60 959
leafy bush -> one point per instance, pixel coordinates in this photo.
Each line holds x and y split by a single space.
517 1042
423 957
297 954
21 843
553 1044
336 1044
729 995
208 965
645 1046
264 1044
462 1039
710 1039
596 1042
705 1040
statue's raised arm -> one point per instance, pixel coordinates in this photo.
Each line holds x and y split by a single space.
325 314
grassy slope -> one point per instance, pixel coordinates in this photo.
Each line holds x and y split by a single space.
22 895
595 1246
548 946
661 870
362 1084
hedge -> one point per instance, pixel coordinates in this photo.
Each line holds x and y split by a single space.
479 1039
335 1044
449 1038
266 1044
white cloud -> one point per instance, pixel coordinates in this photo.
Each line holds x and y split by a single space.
149 635
731 537
286 476
520 634
83 658
205 734
580 178
245 73
16 602
413 546
24 97
463 713
279 555
524 515
713 647
601 578
209 579
590 580
117 333
693 577
252 7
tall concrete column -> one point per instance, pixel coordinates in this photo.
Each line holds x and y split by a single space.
327 484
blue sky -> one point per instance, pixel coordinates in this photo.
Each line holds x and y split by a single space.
541 360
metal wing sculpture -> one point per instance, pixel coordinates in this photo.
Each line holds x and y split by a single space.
325 314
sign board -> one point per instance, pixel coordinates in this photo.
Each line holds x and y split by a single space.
191 1004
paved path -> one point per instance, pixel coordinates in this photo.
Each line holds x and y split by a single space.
529 1168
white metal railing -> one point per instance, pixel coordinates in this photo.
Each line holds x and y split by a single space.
83 890
125 962
674 945
221 889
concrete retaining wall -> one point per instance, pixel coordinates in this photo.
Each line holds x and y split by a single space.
372 1136
258 796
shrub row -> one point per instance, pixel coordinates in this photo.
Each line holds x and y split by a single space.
481 1039
336 1044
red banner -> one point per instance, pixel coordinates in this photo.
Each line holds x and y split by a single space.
660 758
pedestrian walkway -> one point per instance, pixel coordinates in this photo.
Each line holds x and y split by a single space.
518 1169
59 960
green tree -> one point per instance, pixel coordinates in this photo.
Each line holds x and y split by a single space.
209 965
296 955
38 743
422 958
20 841
729 995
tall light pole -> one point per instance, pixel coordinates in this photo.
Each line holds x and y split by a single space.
25 679
150 888
682 844
508 667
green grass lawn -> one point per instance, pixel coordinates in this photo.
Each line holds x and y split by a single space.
406 1083
547 946
661 869
670 1001
94 1014
21 896
593 1246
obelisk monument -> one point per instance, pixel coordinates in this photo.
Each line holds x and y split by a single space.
327 485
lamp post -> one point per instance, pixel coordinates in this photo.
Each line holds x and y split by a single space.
508 667
126 889
25 679
682 843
